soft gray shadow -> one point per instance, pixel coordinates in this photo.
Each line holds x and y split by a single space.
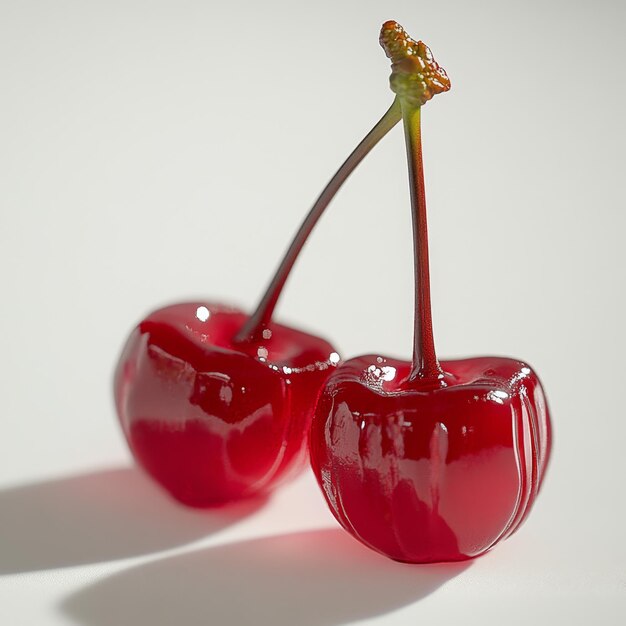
96 517
316 578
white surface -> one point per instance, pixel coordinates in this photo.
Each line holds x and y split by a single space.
153 151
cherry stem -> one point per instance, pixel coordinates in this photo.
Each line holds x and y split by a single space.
425 363
262 316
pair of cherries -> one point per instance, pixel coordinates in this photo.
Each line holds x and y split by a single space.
423 461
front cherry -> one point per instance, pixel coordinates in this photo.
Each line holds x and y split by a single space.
216 405
427 461
431 474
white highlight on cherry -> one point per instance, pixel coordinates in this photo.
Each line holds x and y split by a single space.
202 313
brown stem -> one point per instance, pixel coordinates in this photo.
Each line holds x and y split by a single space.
425 363
261 317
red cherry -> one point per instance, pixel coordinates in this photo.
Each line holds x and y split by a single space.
422 461
426 475
210 419
216 405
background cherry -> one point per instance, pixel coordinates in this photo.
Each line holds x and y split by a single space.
428 461
216 405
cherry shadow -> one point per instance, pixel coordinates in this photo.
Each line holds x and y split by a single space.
101 516
317 578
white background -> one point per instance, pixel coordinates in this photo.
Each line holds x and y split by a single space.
156 151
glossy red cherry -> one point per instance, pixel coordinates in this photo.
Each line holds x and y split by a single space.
428 461
211 419
215 404
431 474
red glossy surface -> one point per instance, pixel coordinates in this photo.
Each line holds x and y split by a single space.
210 419
427 474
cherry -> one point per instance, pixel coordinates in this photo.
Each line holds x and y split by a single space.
215 404
428 461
